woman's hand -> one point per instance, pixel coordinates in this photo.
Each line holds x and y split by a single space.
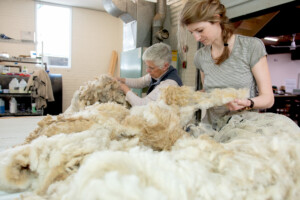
122 80
238 104
124 88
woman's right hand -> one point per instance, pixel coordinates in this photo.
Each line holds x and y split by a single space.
124 88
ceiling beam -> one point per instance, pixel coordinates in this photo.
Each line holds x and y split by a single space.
253 25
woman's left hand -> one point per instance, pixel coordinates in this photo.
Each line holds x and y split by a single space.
238 104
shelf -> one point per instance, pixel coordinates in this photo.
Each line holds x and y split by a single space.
21 60
17 41
15 94
20 114
24 60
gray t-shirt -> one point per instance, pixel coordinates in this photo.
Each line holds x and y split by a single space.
235 72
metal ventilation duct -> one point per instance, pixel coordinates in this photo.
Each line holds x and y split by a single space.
158 31
117 8
137 17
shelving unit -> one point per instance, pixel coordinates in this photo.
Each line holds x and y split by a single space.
23 60
288 105
15 95
17 41
25 99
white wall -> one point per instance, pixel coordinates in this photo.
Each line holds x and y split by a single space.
95 35
283 68
188 74
16 16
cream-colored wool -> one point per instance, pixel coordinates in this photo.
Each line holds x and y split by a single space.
184 96
46 160
188 102
73 123
180 96
114 156
103 89
159 127
254 167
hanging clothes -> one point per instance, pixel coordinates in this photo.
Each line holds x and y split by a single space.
41 89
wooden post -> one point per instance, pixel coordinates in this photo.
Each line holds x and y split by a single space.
113 62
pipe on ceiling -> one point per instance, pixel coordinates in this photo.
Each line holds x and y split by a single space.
113 9
158 32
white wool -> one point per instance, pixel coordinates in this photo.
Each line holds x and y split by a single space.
62 149
187 115
5 159
123 175
102 89
254 156
196 168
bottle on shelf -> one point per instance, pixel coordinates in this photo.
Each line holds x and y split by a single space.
22 86
25 70
13 105
33 105
2 106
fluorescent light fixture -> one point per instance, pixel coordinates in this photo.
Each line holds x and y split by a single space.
271 39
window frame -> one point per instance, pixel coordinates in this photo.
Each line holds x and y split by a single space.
70 36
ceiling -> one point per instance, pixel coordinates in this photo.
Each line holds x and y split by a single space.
279 22
89 4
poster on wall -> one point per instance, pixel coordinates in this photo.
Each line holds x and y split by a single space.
290 85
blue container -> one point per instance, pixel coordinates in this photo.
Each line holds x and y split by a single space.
2 106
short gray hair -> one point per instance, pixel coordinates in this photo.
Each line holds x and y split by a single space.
159 54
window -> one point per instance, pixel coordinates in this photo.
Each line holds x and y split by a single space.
53 27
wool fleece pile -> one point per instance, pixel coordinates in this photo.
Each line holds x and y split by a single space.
101 149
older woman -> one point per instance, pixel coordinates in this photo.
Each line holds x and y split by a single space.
161 74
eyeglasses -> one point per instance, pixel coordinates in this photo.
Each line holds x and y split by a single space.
150 68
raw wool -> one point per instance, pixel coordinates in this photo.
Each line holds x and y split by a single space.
114 159
219 97
158 124
72 123
14 174
245 124
49 159
155 125
189 101
180 96
103 89
254 167
55 154
185 96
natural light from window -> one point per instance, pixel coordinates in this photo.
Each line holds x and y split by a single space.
53 25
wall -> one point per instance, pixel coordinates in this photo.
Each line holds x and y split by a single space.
282 67
188 74
95 35
16 16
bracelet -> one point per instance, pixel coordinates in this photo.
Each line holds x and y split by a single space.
251 105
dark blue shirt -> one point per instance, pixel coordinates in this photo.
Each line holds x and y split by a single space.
170 74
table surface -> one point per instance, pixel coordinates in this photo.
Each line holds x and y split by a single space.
13 130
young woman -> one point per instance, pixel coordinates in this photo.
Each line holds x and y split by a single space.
227 60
